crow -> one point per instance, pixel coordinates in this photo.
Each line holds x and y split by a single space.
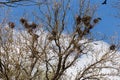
11 25
105 2
112 47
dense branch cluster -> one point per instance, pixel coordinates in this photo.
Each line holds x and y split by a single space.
86 20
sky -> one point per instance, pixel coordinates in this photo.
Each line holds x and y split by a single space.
109 25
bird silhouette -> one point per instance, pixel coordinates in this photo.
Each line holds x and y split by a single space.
105 2
112 47
78 20
11 25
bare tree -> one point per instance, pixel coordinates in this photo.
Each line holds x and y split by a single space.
47 51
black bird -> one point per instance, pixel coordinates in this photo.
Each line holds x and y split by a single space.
105 2
112 47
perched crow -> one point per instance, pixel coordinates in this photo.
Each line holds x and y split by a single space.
11 25
96 20
78 19
112 47
105 2
33 25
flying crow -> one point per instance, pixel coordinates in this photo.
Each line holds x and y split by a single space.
105 2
